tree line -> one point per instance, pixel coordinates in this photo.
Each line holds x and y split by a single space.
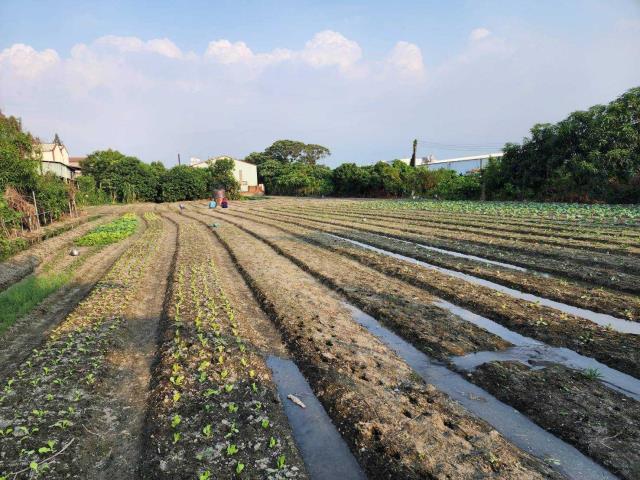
590 156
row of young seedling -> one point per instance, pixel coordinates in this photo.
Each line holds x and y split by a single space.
45 406
213 404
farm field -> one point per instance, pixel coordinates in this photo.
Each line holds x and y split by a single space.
289 338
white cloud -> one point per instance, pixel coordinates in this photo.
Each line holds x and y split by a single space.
161 46
479 34
406 59
225 52
232 98
329 48
27 62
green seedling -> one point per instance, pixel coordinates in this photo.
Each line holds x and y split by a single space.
206 475
254 387
224 374
233 408
265 423
239 468
175 421
176 396
228 387
176 437
232 449
39 413
592 374
211 391
207 431
232 430
281 462
272 442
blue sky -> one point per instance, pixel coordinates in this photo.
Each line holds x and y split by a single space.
363 77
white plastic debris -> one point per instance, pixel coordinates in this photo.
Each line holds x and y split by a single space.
74 252
296 400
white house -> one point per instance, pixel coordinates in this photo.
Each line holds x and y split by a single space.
55 159
244 172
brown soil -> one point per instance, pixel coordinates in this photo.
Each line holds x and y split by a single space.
46 407
26 262
618 350
397 426
112 448
494 228
582 295
31 330
616 272
402 307
198 357
600 422
546 226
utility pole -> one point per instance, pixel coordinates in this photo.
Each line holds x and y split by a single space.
413 156
179 159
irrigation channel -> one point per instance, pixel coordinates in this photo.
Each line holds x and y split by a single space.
509 422
602 319
325 453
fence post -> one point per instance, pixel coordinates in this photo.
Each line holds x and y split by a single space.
35 204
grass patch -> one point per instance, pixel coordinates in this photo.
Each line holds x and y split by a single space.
111 232
21 298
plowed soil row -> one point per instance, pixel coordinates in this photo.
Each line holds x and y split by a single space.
609 277
584 224
403 308
574 293
45 408
214 411
600 422
620 351
30 331
459 241
26 262
492 226
594 406
397 426
596 244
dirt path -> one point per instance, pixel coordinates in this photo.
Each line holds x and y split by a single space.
113 448
32 329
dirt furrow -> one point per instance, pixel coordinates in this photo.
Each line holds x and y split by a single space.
113 447
600 422
402 307
608 277
214 411
597 244
26 262
397 426
46 408
32 329
617 350
581 295
629 264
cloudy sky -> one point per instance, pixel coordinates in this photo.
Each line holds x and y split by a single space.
201 78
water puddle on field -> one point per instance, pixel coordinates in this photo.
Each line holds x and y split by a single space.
602 319
536 354
460 255
514 426
324 451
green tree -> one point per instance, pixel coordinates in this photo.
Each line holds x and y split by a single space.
183 183
290 151
19 160
221 176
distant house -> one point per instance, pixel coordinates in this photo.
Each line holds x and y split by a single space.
244 172
55 159
459 164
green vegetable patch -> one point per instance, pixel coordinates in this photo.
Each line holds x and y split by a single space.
111 232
